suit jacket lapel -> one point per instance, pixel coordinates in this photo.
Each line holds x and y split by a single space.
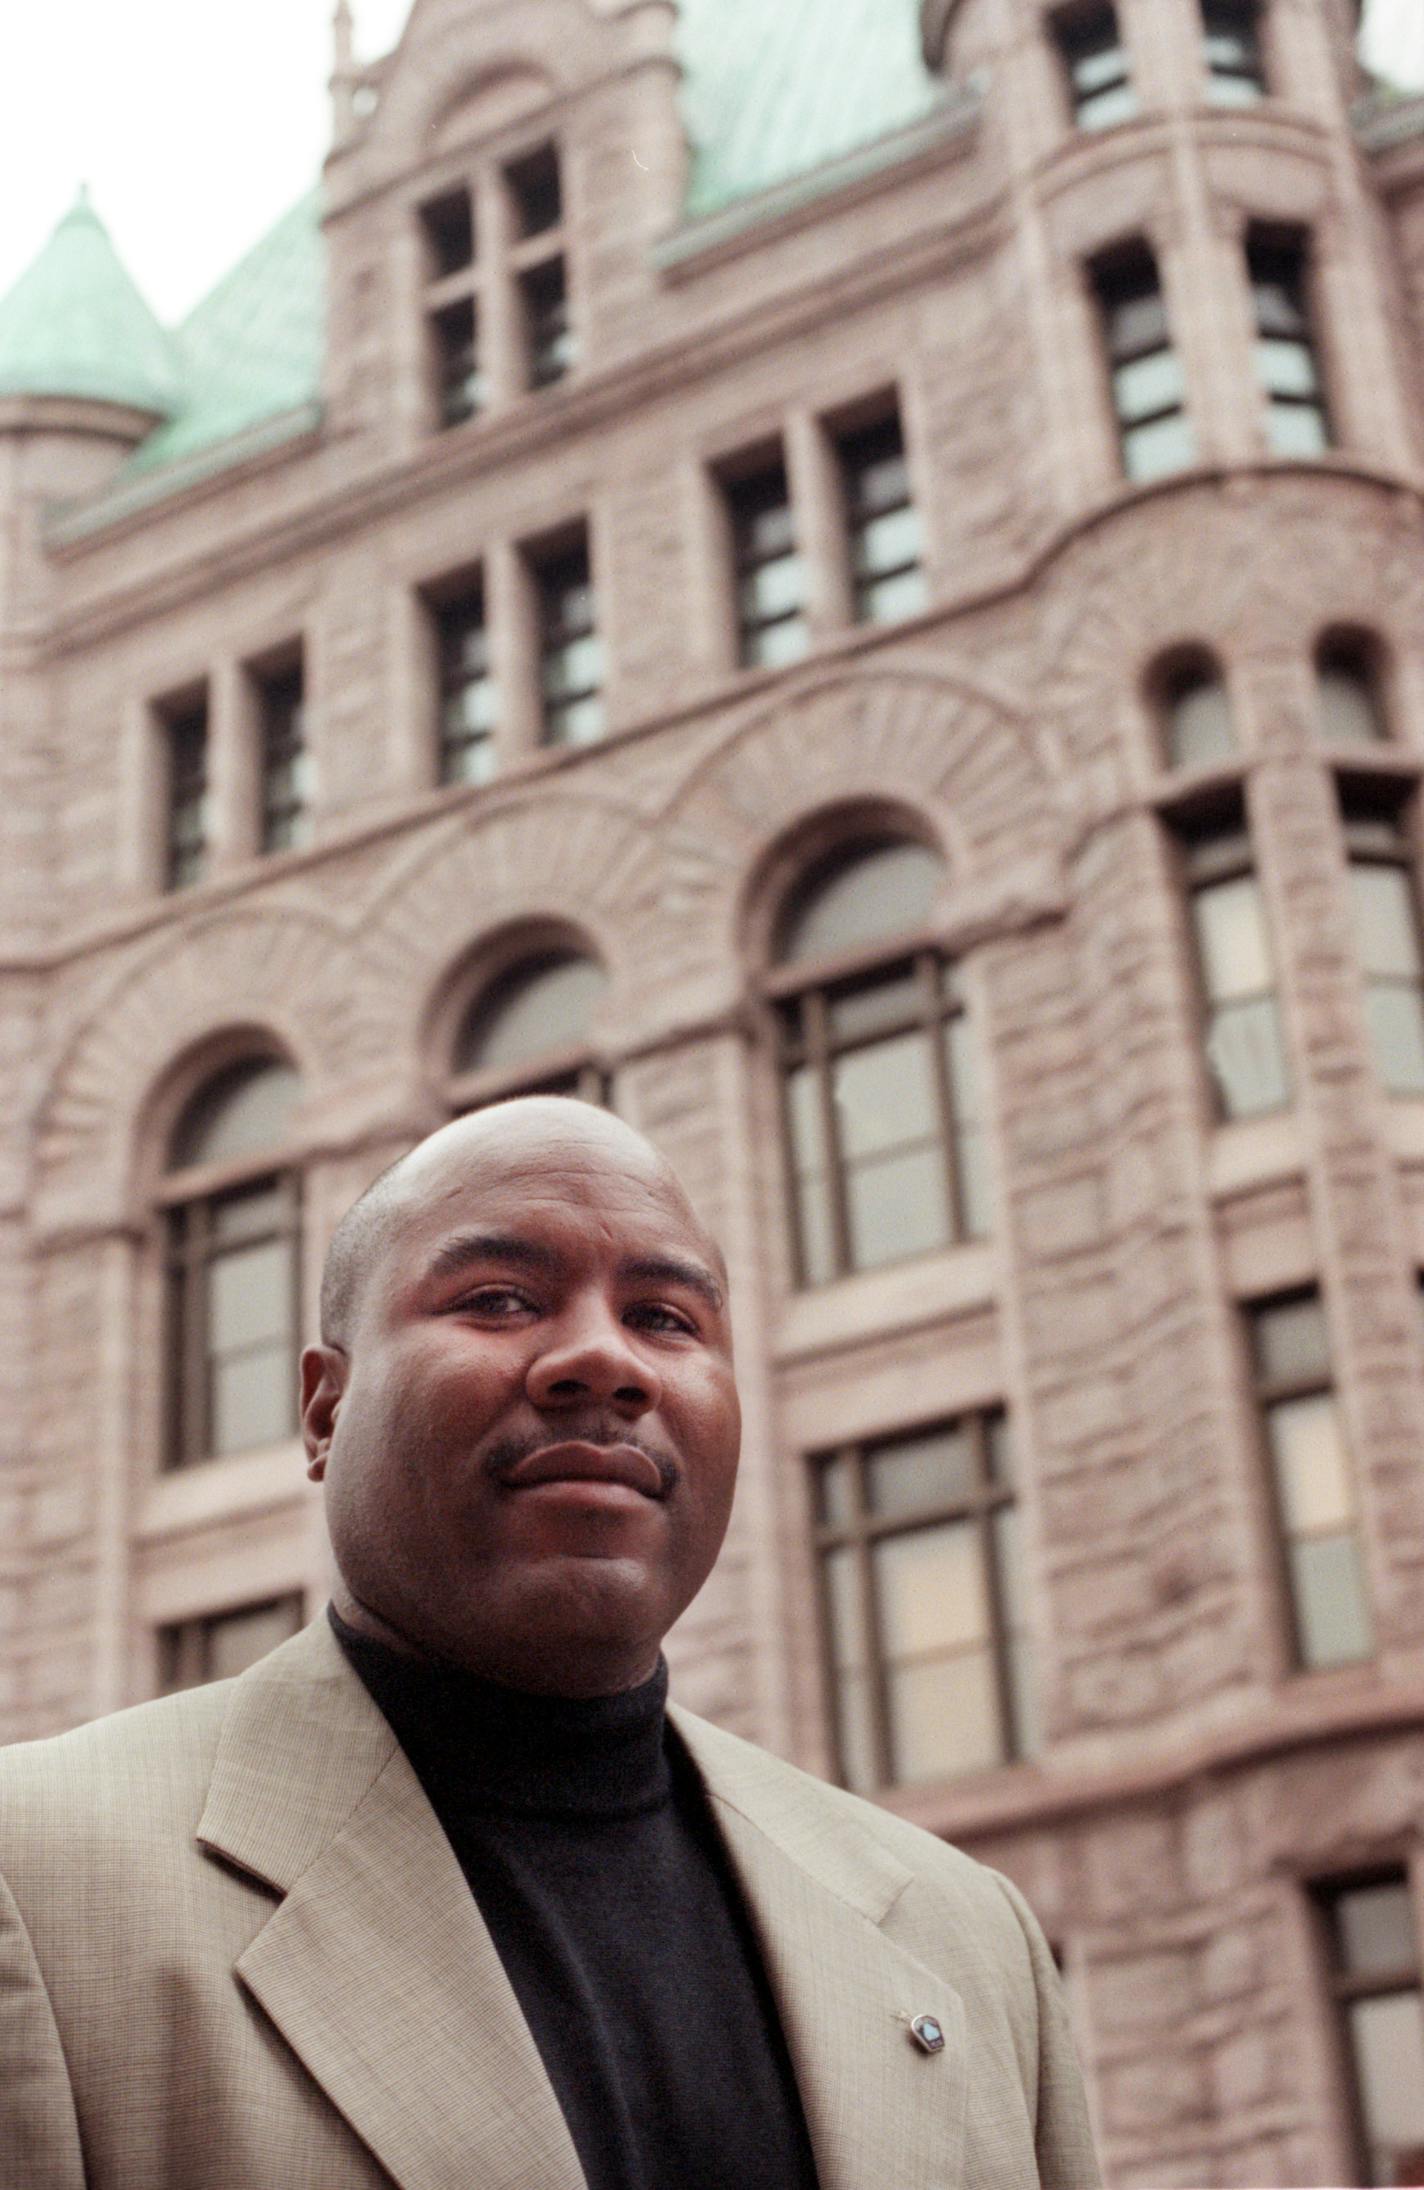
876 2103
376 1966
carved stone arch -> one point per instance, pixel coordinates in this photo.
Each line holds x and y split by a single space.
284 971
1121 595
551 856
912 734
453 56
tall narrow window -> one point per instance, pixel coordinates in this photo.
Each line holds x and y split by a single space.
185 731
886 550
769 572
1236 969
468 707
1095 59
452 307
1313 1480
232 1215
1231 39
286 763
922 1603
1196 713
1377 1983
1349 702
528 1032
535 192
1297 421
1387 931
1149 390
219 1645
884 1124
570 650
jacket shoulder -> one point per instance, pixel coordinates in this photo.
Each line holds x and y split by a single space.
115 1776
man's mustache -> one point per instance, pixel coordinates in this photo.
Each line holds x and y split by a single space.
508 1453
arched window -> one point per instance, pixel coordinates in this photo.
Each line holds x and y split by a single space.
883 1125
1349 704
528 1032
1197 729
232 1216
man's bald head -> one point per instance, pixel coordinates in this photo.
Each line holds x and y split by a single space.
528 1127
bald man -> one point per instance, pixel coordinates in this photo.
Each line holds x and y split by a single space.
442 1893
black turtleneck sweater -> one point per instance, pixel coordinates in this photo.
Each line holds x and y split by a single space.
587 1841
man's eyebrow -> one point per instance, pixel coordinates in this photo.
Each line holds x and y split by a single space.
463 1248
672 1270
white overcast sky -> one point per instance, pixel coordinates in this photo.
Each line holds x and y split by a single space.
196 124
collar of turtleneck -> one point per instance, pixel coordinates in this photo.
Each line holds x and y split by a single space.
499 1750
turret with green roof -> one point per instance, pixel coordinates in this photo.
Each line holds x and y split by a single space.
75 327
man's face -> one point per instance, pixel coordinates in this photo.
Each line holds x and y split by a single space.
529 1442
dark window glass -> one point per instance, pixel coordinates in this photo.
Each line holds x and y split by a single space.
1148 385
468 697
1235 966
232 1267
1286 363
884 1117
448 224
286 760
1231 39
460 380
1313 1480
222 1644
1372 1938
570 650
887 571
922 1598
548 333
1099 78
1387 933
532 1029
1350 710
536 192
1197 715
188 821
770 575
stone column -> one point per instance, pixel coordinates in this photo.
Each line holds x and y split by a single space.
512 613
234 768
819 509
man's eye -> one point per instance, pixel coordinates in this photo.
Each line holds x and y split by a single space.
655 1315
491 1300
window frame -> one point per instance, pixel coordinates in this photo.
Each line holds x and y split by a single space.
1283 257
183 1648
582 1069
1342 1987
545 563
742 484
883 419
1128 275
1190 825
1071 30
1247 13
282 742
987 1497
186 721
442 602
1384 800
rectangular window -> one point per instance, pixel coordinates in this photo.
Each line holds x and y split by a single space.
548 335
570 650
536 192
1387 932
468 699
770 575
222 1644
1377 1985
286 762
1095 59
460 382
1313 1480
1236 974
233 1261
1232 45
922 1603
185 730
1297 422
448 226
883 525
1149 390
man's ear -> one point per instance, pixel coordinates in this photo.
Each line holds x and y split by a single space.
324 1373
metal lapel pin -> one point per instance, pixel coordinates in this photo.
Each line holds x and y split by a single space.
927 2033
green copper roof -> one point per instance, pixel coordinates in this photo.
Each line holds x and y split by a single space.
774 88
75 325
771 90
253 347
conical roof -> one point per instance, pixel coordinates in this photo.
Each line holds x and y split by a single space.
75 325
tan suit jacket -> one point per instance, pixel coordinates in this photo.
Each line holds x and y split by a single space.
237 1953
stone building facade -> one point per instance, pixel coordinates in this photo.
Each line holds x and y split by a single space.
854 585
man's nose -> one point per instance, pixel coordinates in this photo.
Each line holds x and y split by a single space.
591 1361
